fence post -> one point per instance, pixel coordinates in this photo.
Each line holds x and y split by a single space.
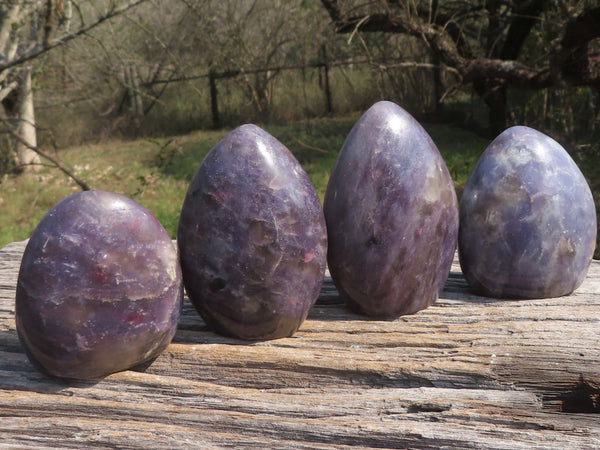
214 102
325 63
137 104
438 83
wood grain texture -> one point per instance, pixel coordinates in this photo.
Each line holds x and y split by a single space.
468 372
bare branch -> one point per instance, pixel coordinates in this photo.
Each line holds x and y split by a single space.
574 62
310 147
40 49
333 9
6 90
57 163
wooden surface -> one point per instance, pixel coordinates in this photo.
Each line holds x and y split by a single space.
468 372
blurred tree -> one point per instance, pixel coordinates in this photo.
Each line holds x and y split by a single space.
28 30
240 43
494 44
244 35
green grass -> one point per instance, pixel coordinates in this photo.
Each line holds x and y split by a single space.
156 172
316 145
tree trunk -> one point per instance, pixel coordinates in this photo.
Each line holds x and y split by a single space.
327 86
135 97
214 100
495 99
27 159
499 113
438 83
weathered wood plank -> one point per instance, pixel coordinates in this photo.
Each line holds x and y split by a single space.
468 372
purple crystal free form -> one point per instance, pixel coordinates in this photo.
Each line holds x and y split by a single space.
99 289
252 238
527 219
392 216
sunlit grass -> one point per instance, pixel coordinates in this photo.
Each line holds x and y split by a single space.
156 172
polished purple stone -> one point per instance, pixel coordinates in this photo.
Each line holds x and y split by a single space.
392 215
252 238
99 289
527 219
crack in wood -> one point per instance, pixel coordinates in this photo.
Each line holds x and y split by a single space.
468 372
